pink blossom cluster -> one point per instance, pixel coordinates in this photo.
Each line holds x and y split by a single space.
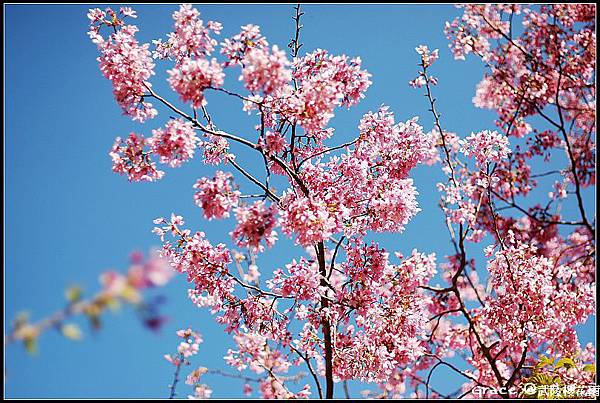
364 189
254 352
216 196
300 281
124 61
205 265
530 307
130 158
190 39
427 59
322 82
325 82
519 85
236 48
215 150
195 375
175 143
486 147
427 56
310 220
192 77
396 148
255 223
273 143
201 391
391 313
187 347
265 70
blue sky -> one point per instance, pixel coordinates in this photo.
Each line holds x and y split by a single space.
68 217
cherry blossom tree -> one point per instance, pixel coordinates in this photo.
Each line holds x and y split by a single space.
346 309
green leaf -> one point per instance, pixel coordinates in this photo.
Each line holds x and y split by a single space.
30 345
565 362
74 294
589 368
544 361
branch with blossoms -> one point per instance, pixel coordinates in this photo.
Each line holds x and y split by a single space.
252 351
117 289
531 304
345 308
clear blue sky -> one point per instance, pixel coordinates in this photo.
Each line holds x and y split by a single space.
68 217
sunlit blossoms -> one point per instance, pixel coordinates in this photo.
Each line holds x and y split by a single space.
255 224
427 56
216 196
124 61
310 220
343 305
486 147
427 59
265 70
190 39
535 302
132 159
188 347
300 279
326 81
254 352
175 143
192 77
239 45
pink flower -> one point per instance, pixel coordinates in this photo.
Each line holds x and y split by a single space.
192 77
129 158
324 83
264 71
238 46
300 282
201 392
486 147
273 143
175 143
216 196
255 223
195 375
309 220
427 57
190 344
125 62
191 38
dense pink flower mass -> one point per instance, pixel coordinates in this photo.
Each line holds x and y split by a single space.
486 147
129 158
264 70
191 38
255 223
216 196
530 307
326 82
343 307
124 61
192 77
175 143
